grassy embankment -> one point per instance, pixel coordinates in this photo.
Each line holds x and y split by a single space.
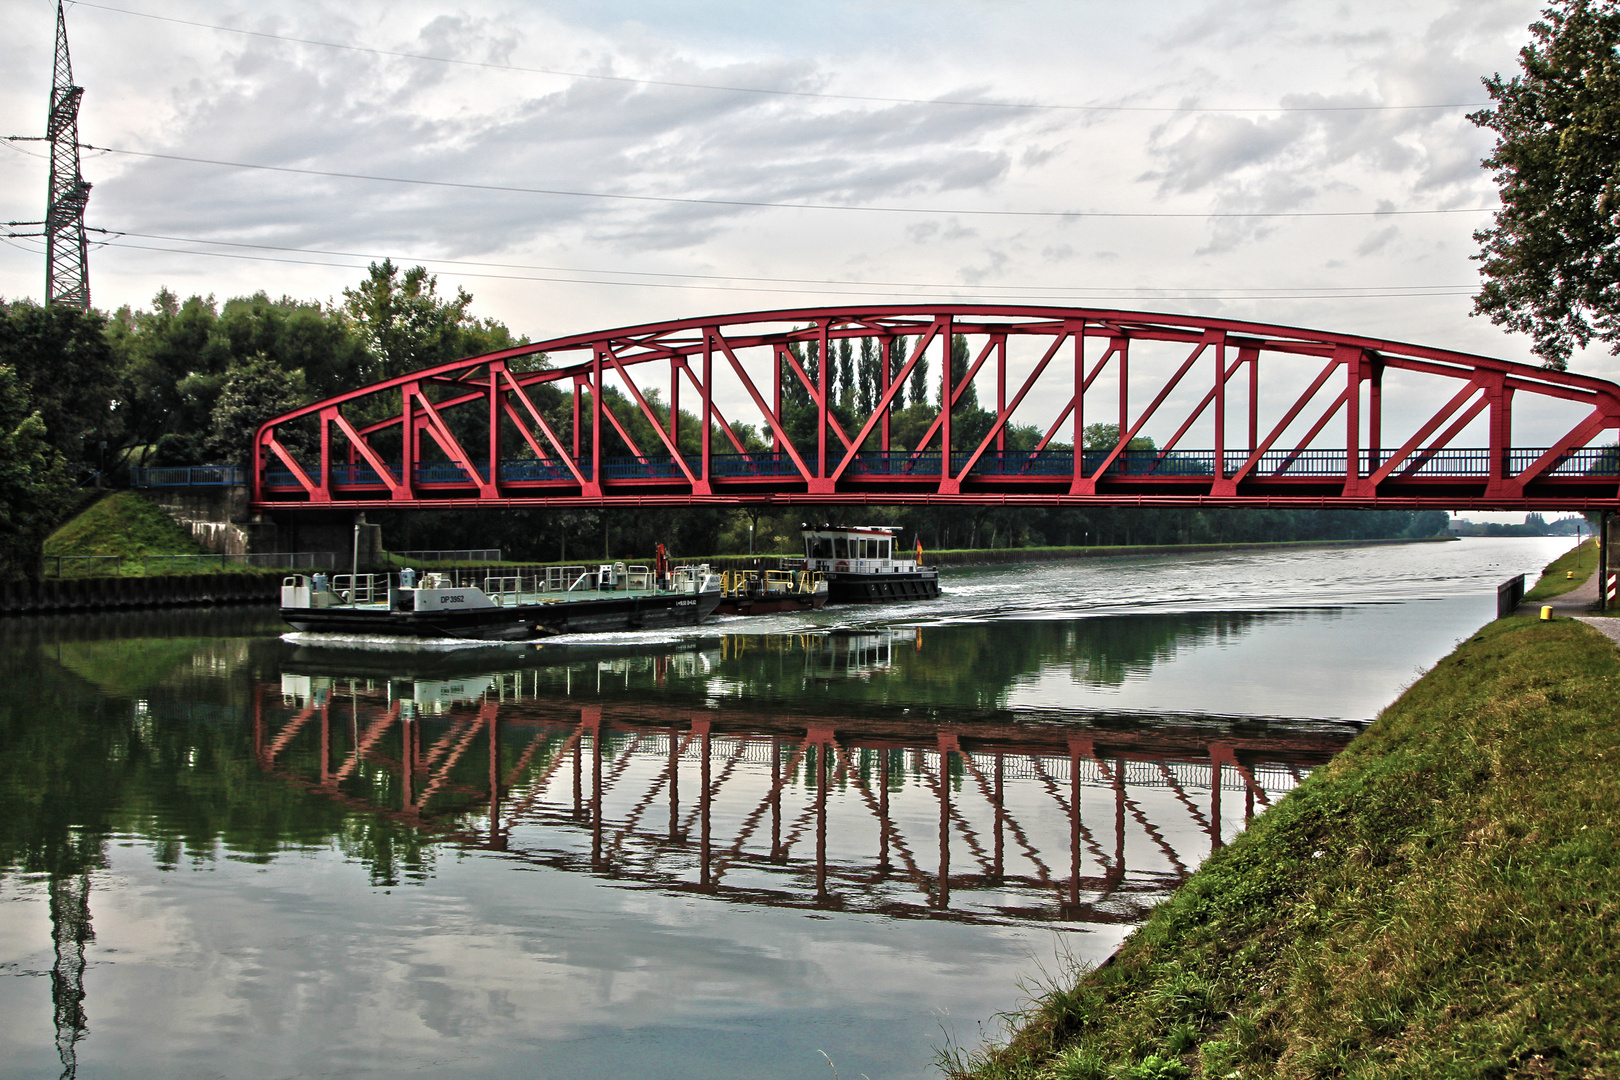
1442 899
128 535
1556 579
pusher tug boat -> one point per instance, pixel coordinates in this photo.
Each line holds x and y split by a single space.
500 604
862 566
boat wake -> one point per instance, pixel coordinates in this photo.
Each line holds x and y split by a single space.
385 643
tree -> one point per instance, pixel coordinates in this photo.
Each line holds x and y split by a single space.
34 482
919 376
867 390
846 373
968 398
297 336
897 360
406 325
1549 259
251 394
61 357
1106 437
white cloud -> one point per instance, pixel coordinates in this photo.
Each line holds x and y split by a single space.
197 92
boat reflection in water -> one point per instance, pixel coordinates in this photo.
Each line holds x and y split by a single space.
977 816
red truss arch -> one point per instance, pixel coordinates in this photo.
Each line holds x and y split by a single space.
1204 412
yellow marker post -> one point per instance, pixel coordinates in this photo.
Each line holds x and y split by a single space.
1569 574
1546 613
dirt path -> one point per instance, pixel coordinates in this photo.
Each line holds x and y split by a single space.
1576 604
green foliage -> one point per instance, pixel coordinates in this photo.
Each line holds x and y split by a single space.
124 523
250 394
868 373
1154 1067
406 325
1106 437
1441 899
968 402
34 483
1548 259
62 359
196 381
919 374
77 771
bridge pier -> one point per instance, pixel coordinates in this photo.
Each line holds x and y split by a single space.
329 530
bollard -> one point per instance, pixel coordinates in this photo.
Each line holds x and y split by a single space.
1546 613
1569 575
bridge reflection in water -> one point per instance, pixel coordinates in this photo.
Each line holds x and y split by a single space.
993 818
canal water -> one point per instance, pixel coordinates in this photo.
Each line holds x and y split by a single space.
767 849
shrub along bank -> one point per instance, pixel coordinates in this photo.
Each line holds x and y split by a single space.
1442 899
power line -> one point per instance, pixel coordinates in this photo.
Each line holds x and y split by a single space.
768 91
1077 292
372 256
760 204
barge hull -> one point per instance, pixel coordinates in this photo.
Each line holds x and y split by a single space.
770 605
521 623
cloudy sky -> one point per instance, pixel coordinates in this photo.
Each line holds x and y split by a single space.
929 149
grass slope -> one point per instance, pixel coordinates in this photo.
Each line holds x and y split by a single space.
1442 899
124 523
1580 561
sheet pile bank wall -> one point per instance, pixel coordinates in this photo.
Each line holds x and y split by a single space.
842 406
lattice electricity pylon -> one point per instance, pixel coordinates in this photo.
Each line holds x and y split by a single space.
67 269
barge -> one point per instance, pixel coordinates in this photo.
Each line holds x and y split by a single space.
764 592
862 566
500 604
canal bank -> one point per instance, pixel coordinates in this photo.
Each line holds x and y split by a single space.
1440 899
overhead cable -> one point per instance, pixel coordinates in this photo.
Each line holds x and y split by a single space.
1072 294
761 204
1442 290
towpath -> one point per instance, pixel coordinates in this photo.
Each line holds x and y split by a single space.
1576 604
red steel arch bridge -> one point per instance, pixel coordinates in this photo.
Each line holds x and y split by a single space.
746 409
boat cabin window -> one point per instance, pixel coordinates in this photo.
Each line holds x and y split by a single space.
840 547
818 547
883 549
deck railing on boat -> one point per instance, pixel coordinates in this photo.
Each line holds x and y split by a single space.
360 588
507 589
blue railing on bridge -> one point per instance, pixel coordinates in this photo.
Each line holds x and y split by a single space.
766 463
189 476
1599 461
